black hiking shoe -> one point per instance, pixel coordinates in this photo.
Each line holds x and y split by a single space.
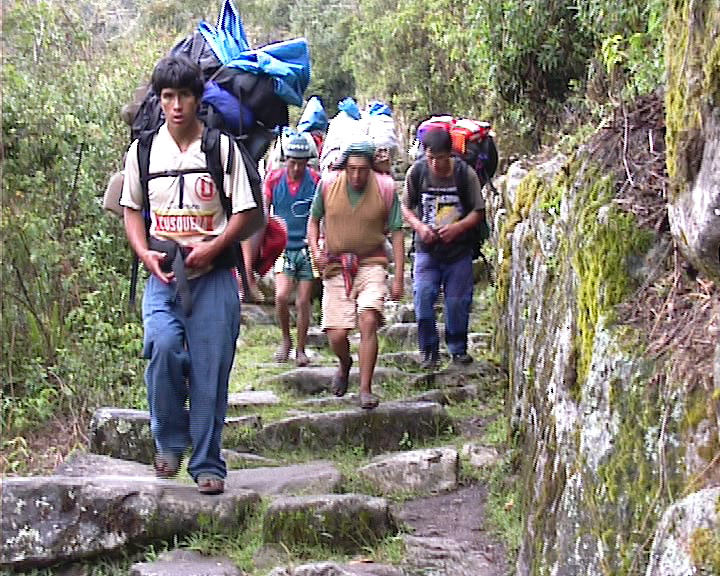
462 359
430 360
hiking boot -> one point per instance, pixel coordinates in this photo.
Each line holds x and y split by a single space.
462 359
430 360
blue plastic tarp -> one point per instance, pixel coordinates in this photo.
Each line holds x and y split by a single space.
350 107
313 117
227 39
287 62
378 108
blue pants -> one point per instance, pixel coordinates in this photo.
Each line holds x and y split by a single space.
456 280
190 360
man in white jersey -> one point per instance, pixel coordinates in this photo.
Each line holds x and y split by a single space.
190 333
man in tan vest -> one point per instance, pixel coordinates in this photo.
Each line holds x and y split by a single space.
358 207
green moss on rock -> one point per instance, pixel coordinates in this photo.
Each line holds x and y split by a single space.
530 188
632 488
692 55
605 239
705 550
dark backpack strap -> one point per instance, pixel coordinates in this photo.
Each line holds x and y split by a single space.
143 151
211 140
417 178
210 145
461 181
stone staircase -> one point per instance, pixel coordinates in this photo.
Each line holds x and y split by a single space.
307 471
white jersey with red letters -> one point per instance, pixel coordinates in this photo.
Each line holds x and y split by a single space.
187 208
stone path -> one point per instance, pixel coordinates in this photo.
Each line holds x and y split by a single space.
410 481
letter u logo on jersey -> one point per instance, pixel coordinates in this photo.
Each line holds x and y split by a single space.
205 188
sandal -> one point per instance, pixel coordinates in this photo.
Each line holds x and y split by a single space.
339 383
282 353
301 360
167 465
368 400
210 484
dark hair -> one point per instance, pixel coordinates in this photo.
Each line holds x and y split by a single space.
437 141
178 71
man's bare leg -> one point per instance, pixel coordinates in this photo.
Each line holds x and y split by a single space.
340 345
283 289
368 323
302 306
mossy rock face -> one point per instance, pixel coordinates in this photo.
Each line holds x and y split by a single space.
693 130
687 540
346 523
584 403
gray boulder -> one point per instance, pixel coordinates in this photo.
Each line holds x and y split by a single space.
687 538
417 471
51 519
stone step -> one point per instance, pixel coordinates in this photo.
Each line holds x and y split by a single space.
122 433
436 555
385 428
175 562
252 399
417 471
125 434
333 569
347 523
50 519
315 477
311 380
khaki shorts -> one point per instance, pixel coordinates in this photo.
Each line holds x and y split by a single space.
369 292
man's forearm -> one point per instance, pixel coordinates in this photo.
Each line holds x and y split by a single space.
472 219
235 227
135 231
410 217
313 235
398 244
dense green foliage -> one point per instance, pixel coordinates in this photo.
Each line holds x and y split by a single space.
69 342
532 67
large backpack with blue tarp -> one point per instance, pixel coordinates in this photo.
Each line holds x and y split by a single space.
243 98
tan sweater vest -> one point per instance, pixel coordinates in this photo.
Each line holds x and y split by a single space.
359 229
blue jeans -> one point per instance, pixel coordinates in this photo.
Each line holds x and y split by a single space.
456 280
190 360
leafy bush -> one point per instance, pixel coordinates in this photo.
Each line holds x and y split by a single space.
69 341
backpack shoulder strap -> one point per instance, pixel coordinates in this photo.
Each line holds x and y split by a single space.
461 181
386 184
211 145
145 140
418 176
